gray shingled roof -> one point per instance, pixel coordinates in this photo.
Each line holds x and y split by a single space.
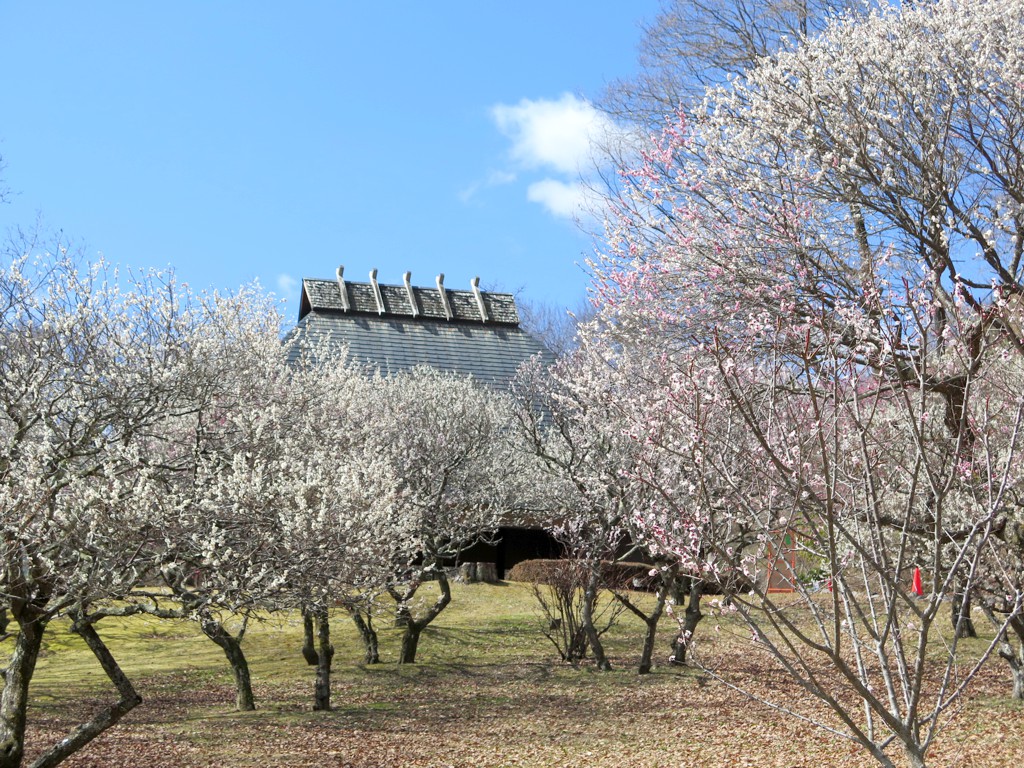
394 340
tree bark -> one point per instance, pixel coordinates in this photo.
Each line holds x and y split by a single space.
915 757
691 618
402 615
414 627
471 573
410 642
369 636
1013 657
103 719
666 585
402 603
960 614
308 637
589 601
325 654
17 677
1016 663
647 656
232 647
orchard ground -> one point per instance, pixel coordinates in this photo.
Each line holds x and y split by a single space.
488 690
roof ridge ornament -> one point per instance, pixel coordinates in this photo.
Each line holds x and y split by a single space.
344 296
444 296
475 283
407 279
343 289
376 291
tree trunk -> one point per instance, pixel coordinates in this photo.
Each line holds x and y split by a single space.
402 614
471 573
369 636
1016 662
17 676
410 642
104 719
691 618
589 601
647 656
232 647
413 627
915 757
308 637
960 614
666 585
1014 658
325 654
576 648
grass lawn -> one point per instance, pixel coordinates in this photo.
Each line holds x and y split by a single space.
488 690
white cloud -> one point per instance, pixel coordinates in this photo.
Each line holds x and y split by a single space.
494 179
288 286
559 197
560 139
567 200
552 134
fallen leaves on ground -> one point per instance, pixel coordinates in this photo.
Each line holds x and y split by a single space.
513 714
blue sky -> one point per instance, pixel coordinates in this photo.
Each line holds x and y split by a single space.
236 141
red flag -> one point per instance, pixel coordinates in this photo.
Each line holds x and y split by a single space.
916 586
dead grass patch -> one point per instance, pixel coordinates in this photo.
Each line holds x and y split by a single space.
487 691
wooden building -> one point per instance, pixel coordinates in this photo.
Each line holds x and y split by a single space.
394 328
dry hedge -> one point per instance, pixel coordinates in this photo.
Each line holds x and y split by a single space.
616 575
